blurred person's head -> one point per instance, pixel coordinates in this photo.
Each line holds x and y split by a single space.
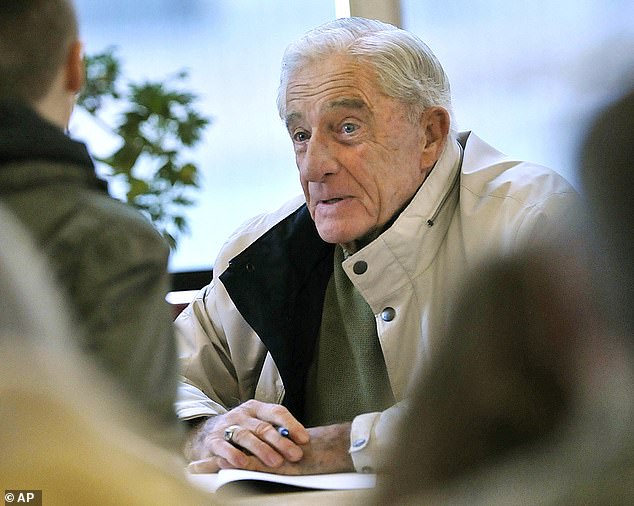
607 177
506 375
40 56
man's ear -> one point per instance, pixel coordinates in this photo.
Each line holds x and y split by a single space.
75 68
435 124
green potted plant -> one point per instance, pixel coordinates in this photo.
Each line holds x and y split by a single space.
156 122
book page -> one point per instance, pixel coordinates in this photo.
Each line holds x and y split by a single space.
336 481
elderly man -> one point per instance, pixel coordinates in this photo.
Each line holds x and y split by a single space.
320 314
111 263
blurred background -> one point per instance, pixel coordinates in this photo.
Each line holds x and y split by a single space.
526 77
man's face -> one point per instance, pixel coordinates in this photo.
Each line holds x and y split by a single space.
360 158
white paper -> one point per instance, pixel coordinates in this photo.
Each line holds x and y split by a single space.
336 481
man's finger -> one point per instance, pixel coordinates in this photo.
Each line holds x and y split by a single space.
270 435
248 441
233 453
279 416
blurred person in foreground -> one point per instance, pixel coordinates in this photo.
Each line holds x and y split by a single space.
531 400
80 446
110 261
607 177
320 314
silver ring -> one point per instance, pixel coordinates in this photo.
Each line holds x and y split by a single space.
229 433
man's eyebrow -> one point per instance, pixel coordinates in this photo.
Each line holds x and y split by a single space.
347 103
340 103
292 117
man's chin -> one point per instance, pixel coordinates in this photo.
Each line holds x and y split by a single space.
334 235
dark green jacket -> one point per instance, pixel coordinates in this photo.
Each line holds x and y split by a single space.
108 257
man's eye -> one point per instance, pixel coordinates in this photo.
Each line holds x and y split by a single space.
300 136
349 128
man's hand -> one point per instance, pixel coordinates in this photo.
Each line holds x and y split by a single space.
325 452
258 446
255 441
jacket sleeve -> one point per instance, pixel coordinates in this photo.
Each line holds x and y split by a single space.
220 357
118 280
204 360
222 360
372 436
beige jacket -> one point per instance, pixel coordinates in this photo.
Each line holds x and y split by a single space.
467 210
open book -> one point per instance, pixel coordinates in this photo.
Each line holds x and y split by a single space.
257 481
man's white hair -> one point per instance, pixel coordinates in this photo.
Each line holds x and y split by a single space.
406 69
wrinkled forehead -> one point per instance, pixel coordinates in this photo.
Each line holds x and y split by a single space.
336 81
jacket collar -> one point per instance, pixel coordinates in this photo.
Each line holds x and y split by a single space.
27 137
409 246
278 285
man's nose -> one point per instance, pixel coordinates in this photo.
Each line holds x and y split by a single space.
318 160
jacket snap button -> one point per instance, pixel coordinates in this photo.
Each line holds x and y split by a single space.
388 314
358 443
360 267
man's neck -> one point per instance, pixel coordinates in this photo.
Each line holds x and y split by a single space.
53 112
57 105
354 246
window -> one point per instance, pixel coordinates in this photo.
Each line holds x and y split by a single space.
527 76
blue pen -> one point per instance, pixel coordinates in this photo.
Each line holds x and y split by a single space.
283 431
